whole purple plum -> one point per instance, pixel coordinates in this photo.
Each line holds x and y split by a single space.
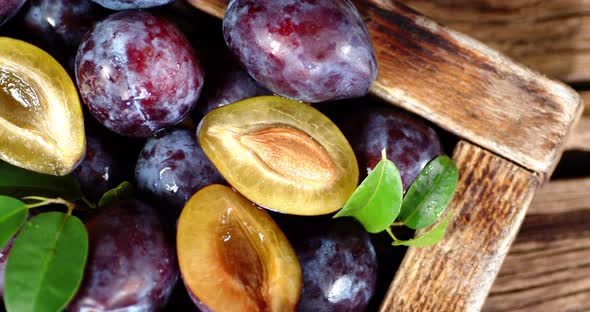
3 257
8 8
339 268
58 26
307 50
172 167
131 261
120 5
410 142
137 73
97 173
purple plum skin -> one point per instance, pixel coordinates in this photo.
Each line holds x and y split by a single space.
9 8
339 269
172 167
308 50
3 258
137 74
119 5
58 26
410 142
96 171
131 262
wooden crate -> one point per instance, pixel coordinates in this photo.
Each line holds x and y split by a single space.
512 122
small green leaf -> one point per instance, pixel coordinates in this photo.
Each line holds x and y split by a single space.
46 264
429 194
122 191
18 182
428 238
13 214
377 201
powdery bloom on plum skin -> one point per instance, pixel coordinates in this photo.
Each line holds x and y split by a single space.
313 51
138 74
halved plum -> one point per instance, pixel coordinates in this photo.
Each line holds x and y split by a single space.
232 255
281 154
41 124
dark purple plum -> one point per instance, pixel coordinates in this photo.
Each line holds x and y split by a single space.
97 173
131 261
172 167
3 257
307 50
227 86
8 8
410 142
120 5
339 268
58 26
137 73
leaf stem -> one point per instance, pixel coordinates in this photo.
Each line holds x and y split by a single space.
397 224
43 201
88 202
388 230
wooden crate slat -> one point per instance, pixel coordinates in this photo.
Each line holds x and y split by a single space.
469 89
548 266
463 86
552 36
457 273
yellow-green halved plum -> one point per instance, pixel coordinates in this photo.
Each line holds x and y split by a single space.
41 123
233 256
281 154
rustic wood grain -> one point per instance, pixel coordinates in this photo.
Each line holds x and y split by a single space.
456 274
463 86
548 267
552 36
579 140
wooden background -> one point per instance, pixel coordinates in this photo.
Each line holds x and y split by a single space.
548 266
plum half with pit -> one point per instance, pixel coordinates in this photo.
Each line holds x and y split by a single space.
137 73
233 257
281 154
310 51
172 167
131 262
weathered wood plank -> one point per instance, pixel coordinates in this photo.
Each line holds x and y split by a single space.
552 36
456 274
548 267
463 86
579 140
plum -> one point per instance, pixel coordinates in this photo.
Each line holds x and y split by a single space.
131 4
8 8
410 142
339 268
172 167
137 73
233 257
3 257
58 26
97 171
131 262
307 50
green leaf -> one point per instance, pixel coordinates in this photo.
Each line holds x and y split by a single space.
377 201
122 191
18 182
46 264
428 196
428 238
13 214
